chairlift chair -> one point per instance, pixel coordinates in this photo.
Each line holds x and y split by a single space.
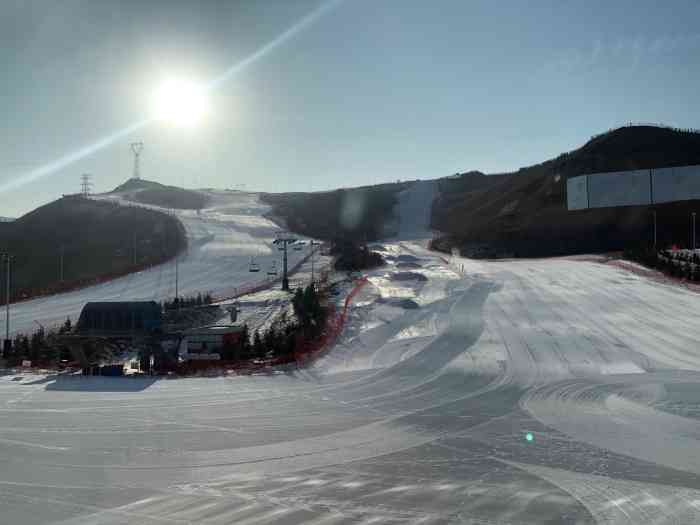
273 269
253 267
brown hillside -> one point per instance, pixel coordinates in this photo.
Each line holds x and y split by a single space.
99 239
524 213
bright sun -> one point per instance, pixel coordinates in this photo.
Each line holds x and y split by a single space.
180 102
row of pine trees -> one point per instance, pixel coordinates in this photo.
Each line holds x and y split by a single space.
282 338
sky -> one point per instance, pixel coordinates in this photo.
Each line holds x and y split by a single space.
360 91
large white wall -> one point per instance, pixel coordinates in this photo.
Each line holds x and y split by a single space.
577 193
676 184
621 188
633 188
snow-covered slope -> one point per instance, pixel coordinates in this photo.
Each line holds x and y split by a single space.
222 239
561 391
413 211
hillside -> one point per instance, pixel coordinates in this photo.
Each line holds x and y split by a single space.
357 214
98 239
156 194
524 213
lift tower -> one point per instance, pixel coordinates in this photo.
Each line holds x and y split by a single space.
283 241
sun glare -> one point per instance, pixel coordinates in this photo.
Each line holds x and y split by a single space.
180 102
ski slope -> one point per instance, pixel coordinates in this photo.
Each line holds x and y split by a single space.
419 415
222 239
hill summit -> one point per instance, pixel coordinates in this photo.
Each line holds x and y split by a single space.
156 194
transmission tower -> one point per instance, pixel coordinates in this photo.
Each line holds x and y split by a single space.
137 148
85 185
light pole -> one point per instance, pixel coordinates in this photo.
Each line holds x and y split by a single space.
693 248
60 264
311 243
653 212
7 258
177 279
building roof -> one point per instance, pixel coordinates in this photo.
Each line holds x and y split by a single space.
214 330
121 305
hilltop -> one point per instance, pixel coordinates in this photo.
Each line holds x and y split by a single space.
357 214
156 194
524 213
99 240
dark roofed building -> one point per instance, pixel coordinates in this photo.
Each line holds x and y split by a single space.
119 317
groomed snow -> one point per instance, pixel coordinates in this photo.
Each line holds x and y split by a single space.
222 239
419 415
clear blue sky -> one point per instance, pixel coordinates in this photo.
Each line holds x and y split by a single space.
373 90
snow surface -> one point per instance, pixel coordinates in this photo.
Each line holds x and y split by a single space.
418 415
222 239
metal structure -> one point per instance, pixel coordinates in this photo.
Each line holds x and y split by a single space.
283 241
137 148
693 245
7 258
253 266
273 269
60 262
177 280
85 185
312 261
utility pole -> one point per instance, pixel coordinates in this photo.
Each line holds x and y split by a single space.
60 263
312 261
7 258
693 248
653 212
177 280
137 148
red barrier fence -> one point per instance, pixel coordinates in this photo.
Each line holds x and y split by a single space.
313 349
305 353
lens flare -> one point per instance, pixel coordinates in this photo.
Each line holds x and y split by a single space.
195 107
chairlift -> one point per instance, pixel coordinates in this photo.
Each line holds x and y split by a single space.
273 269
253 267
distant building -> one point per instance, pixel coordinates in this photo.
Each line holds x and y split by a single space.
208 342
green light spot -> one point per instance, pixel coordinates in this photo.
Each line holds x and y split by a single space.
529 437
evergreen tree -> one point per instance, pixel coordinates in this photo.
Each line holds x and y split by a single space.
269 341
245 343
258 348
66 327
36 344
